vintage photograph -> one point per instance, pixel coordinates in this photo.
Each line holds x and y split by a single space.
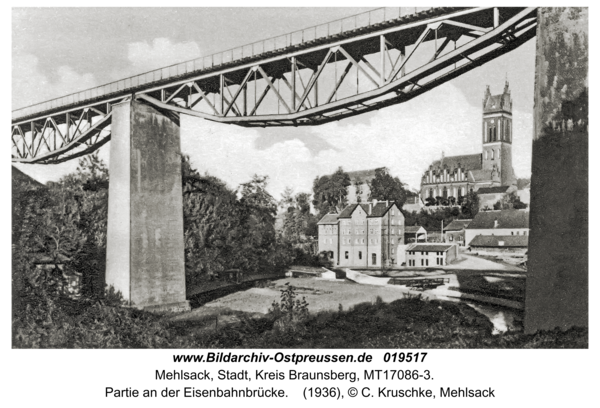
314 178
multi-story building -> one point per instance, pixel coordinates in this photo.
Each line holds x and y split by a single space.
368 234
455 176
328 236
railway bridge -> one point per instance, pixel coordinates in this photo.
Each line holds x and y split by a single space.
313 76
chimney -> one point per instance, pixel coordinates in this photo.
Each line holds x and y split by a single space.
370 208
386 203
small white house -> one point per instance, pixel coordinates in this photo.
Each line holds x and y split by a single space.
423 255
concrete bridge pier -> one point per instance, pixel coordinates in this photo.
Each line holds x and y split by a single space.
557 278
145 248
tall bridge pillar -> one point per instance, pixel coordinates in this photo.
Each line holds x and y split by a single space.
557 277
145 250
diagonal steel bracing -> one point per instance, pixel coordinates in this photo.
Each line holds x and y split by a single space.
298 84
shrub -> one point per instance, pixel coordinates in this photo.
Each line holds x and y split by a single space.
290 313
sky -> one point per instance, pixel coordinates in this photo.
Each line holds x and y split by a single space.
93 46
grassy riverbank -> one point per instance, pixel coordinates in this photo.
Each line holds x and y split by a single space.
404 323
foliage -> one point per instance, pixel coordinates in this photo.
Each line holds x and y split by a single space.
411 322
522 182
431 220
225 232
470 205
509 201
385 187
65 222
330 192
298 222
358 188
47 321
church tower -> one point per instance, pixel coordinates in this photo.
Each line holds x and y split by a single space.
497 137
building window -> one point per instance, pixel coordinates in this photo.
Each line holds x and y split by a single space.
426 262
393 222
422 262
346 254
492 154
362 241
392 240
498 154
392 250
359 254
486 154
371 231
330 254
373 259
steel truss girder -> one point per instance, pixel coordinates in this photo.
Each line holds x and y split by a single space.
484 38
507 36
84 130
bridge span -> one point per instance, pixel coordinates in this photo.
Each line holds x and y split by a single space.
314 76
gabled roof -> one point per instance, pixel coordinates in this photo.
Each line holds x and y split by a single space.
493 190
347 212
480 175
381 208
431 247
328 219
466 162
413 229
504 218
500 241
457 225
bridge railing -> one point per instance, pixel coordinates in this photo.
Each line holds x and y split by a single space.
322 31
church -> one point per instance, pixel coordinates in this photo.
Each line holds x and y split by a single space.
455 176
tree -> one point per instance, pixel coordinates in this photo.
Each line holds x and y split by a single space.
287 198
508 201
385 187
358 187
330 192
470 205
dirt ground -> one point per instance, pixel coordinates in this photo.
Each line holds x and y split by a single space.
481 264
319 293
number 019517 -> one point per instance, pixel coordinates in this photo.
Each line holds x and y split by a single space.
404 357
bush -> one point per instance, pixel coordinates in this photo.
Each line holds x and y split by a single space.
290 313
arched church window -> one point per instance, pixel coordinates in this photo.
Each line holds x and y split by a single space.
491 134
445 192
